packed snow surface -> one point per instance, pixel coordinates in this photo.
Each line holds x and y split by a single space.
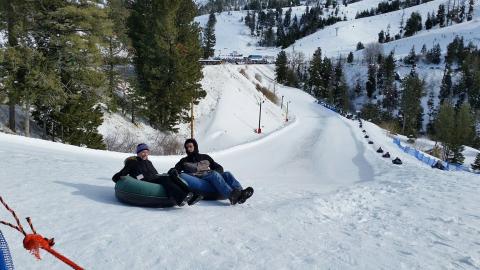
324 199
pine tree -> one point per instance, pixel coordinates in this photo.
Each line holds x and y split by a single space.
389 86
315 82
371 84
167 50
281 67
433 55
441 15
68 34
341 96
444 128
358 88
413 90
209 38
350 57
431 113
423 51
414 24
381 37
428 22
470 10
360 46
476 163
411 58
446 86
118 48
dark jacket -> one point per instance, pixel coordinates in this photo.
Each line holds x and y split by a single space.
196 163
136 168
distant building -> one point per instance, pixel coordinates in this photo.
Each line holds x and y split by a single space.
256 59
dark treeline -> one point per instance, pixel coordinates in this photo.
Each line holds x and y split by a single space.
235 5
288 28
385 7
66 61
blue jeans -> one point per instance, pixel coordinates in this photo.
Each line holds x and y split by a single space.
213 182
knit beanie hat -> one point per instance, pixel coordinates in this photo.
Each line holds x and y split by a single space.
142 147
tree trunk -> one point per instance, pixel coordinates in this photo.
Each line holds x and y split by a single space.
27 117
11 116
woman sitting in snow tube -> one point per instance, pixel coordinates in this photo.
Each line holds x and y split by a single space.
139 183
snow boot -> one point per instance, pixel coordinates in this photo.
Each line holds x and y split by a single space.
380 150
397 161
386 155
370 142
246 193
364 131
195 198
366 137
235 196
185 200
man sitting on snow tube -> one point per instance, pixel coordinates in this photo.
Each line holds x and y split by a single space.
142 169
206 176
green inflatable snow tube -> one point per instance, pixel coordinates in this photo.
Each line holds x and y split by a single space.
140 193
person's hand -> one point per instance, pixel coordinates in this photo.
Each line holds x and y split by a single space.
172 172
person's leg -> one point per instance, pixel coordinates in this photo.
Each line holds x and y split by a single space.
173 191
219 183
194 183
231 181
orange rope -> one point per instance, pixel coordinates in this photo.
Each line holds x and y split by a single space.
34 242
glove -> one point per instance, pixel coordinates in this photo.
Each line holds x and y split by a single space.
172 172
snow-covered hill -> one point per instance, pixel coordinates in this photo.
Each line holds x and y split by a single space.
324 200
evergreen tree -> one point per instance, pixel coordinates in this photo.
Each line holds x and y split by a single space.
167 50
414 24
446 86
68 35
286 20
358 88
428 22
413 90
281 36
444 127
389 86
381 37
454 131
350 57
423 51
281 67
315 81
412 57
441 15
371 84
470 10
431 113
360 46
118 48
476 163
433 55
209 38
340 91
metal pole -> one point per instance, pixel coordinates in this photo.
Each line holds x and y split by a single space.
281 105
286 116
191 121
259 130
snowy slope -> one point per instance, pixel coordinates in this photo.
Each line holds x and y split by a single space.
324 200
227 116
229 28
